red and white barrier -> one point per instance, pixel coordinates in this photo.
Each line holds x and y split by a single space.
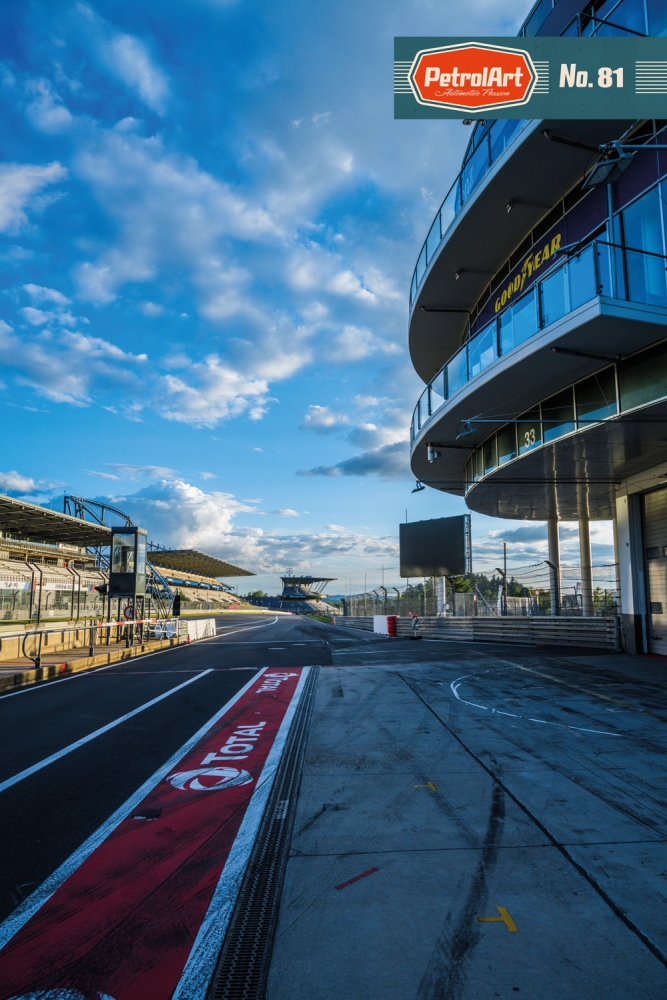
385 624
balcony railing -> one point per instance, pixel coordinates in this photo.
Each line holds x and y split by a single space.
600 268
491 145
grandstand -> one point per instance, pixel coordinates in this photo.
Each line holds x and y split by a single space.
195 575
52 564
302 595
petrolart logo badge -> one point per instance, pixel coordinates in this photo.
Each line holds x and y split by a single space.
472 77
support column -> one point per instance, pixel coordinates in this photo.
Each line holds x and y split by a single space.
440 596
586 567
631 573
554 559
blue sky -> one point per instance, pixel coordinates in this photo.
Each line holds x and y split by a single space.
208 224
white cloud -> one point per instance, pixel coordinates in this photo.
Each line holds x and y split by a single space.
20 184
356 343
151 309
14 482
322 419
208 475
214 392
183 516
130 61
39 293
286 512
46 111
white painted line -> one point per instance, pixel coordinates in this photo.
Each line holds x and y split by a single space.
98 732
13 924
200 966
495 711
223 635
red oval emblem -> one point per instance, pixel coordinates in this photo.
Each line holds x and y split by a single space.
472 77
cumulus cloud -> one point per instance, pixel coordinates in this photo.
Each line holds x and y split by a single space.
322 419
214 392
388 462
20 187
14 482
40 294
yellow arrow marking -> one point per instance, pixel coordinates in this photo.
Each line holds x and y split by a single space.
504 918
429 784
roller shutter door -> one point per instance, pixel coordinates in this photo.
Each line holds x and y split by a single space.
654 524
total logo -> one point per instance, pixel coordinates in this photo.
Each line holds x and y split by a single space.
272 681
472 76
209 779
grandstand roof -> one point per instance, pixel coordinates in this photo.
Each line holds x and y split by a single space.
193 561
28 520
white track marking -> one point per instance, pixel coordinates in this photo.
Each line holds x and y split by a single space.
494 711
196 977
13 924
223 635
98 732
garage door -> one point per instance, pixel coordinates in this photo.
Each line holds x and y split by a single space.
654 518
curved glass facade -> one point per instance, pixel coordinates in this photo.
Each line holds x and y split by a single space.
617 389
631 269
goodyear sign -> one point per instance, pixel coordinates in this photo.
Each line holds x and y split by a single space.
530 78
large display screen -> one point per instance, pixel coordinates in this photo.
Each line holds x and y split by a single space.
438 547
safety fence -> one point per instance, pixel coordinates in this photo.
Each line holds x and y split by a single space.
589 632
527 594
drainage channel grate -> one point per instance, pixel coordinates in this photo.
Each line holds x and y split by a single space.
246 953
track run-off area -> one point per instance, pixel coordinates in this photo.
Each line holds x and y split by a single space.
467 821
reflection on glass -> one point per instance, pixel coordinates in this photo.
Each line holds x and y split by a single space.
657 17
475 168
642 230
437 393
433 238
457 371
141 554
506 444
477 470
643 379
596 397
519 322
502 133
421 264
529 432
490 458
482 350
581 278
558 415
554 297
122 554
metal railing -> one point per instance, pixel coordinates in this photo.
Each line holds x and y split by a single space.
599 268
32 642
491 144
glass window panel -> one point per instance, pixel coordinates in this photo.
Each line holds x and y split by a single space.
572 29
457 371
657 17
413 288
529 431
558 415
554 297
482 350
490 456
506 444
502 133
643 378
421 265
539 17
477 464
475 168
646 278
596 397
605 264
433 238
415 423
581 278
436 396
519 322
122 554
468 473
141 554
626 14
448 210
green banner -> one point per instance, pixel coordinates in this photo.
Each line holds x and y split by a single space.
530 77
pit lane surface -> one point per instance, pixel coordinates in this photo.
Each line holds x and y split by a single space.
78 749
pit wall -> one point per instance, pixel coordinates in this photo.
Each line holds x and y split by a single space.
593 633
